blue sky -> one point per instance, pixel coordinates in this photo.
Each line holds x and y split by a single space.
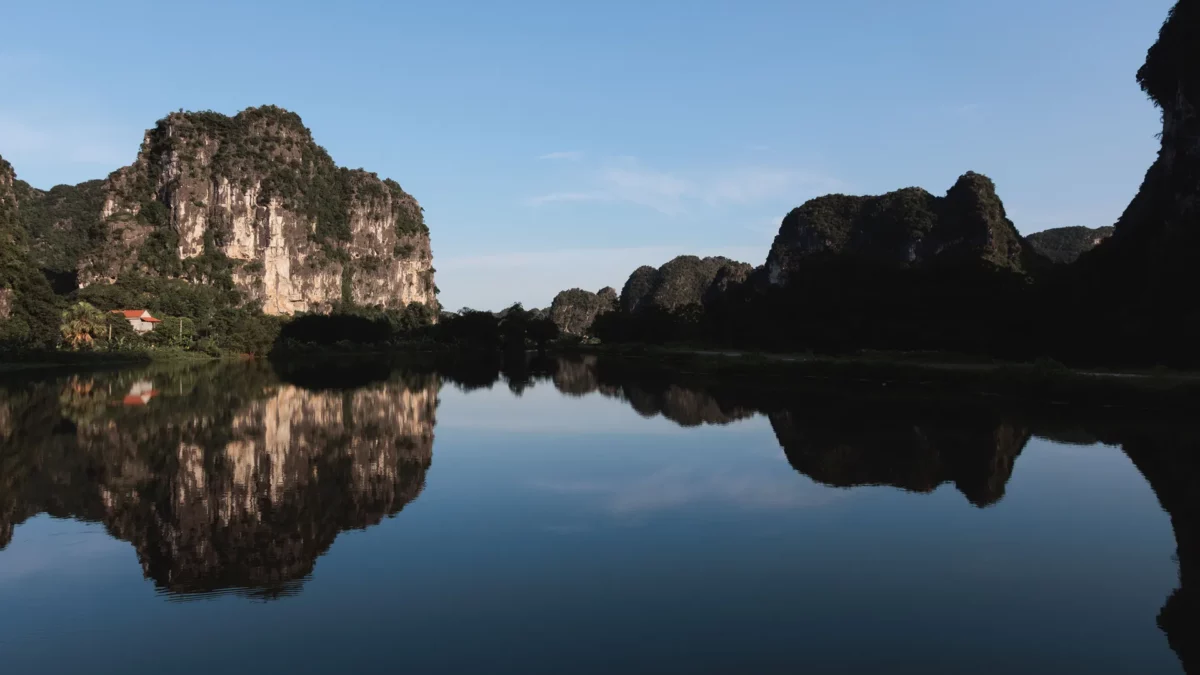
560 144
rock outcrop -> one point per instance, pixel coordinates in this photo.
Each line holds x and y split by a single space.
683 281
574 310
1064 245
908 227
250 201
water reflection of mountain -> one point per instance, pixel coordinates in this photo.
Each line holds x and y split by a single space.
231 479
228 479
649 396
850 447
859 436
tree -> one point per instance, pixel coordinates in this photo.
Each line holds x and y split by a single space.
513 326
82 324
542 331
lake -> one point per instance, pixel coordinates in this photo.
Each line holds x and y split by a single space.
580 516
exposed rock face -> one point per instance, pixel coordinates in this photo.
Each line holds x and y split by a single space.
257 484
686 280
1064 245
256 197
574 310
904 228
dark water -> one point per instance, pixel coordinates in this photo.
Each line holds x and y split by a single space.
579 518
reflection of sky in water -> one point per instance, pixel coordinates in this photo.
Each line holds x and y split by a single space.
559 534
45 545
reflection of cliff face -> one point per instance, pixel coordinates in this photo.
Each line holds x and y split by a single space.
840 440
246 499
685 406
1170 461
875 448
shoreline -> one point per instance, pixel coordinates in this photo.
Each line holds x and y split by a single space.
926 376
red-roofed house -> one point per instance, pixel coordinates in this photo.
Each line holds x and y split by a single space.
140 319
140 393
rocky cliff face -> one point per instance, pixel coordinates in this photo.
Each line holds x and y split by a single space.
904 228
685 280
574 310
254 198
1064 245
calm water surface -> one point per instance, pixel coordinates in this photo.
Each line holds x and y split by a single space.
226 519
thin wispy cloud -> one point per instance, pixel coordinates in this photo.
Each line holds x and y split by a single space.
675 486
657 190
766 228
570 155
752 184
533 277
566 197
673 194
637 255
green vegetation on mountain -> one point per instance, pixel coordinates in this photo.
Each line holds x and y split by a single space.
28 306
574 310
908 227
271 146
1066 244
220 221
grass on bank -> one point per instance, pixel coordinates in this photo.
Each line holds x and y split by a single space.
921 374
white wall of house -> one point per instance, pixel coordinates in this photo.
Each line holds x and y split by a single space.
140 326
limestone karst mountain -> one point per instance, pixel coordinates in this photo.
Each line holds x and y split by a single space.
574 310
682 281
907 227
250 203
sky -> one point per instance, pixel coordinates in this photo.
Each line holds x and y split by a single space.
563 144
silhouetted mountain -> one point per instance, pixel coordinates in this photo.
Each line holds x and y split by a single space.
1066 244
680 282
906 227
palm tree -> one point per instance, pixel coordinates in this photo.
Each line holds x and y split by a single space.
81 325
